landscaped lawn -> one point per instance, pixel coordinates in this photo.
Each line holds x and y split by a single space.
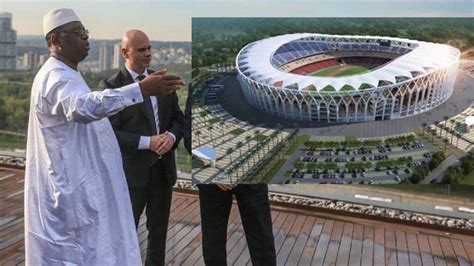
259 137
237 131
270 174
296 142
469 180
214 120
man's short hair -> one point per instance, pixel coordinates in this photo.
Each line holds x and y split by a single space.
48 36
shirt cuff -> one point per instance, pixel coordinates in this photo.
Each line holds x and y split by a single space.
132 94
172 135
144 143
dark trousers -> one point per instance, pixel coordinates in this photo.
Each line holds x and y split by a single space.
256 218
156 196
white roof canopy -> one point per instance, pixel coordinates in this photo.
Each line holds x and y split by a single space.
470 121
205 152
255 62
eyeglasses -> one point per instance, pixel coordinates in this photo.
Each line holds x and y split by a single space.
79 32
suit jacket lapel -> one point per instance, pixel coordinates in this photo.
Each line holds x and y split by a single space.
146 108
126 78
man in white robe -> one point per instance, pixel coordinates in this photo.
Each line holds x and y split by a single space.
77 205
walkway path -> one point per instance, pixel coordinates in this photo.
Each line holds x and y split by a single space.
437 173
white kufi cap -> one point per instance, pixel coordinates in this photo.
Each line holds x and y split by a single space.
58 17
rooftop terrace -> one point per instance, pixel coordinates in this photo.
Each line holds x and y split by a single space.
301 236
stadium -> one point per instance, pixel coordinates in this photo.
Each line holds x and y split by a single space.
340 79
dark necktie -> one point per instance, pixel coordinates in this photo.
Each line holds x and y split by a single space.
149 109
151 117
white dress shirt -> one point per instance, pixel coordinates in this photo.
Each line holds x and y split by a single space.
144 143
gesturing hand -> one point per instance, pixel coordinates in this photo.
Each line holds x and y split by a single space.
160 84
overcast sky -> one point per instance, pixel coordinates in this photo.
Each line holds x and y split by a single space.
171 20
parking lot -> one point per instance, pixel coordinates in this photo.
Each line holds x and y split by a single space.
12 161
384 163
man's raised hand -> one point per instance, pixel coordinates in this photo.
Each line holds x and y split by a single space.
160 84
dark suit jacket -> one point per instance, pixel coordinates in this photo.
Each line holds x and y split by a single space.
187 120
136 121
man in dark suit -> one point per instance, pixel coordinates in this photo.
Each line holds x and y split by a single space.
147 134
215 205
254 207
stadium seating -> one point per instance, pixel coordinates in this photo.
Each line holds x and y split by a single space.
301 49
311 68
369 61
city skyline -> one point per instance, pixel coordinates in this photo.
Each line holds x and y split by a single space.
161 21
108 56
171 20
7 43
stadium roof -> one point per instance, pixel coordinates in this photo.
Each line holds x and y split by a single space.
255 62
205 152
469 121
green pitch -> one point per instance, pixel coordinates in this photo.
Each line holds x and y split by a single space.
325 72
353 70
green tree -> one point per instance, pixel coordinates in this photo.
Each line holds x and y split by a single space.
467 163
423 126
436 159
453 175
437 126
457 139
445 118
445 140
198 133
